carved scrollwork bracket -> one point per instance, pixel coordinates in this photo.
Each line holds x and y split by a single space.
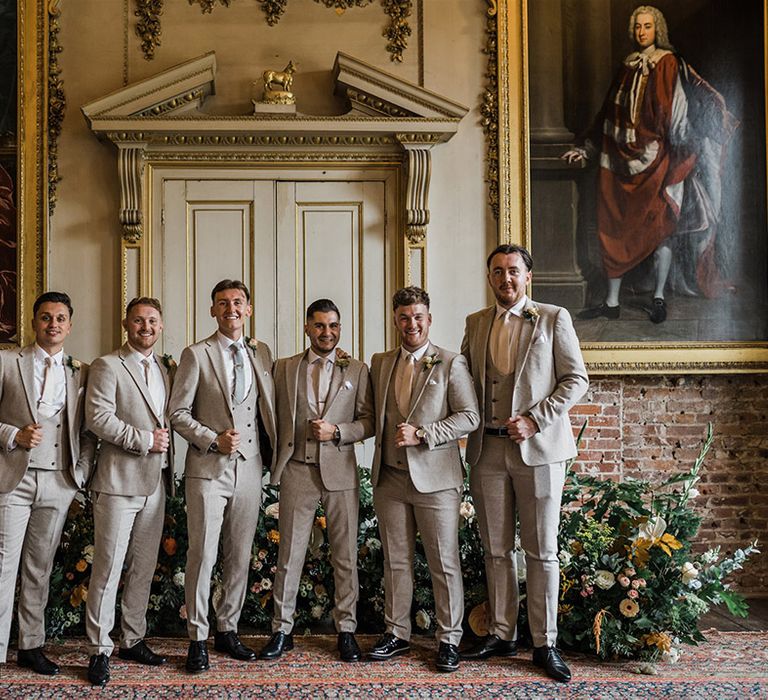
130 164
419 165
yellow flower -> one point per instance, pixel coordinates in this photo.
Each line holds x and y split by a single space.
629 608
79 595
657 639
273 536
320 522
82 565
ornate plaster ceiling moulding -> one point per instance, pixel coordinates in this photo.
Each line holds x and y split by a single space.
57 103
163 119
489 109
148 27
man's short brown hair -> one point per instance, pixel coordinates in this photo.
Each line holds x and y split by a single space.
144 301
408 296
224 285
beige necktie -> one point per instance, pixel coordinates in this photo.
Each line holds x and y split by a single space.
502 349
238 392
48 394
145 362
320 383
406 385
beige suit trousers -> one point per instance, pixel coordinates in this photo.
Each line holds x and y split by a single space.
502 486
127 529
301 486
32 517
228 507
402 511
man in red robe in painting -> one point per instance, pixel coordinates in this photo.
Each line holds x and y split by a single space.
662 133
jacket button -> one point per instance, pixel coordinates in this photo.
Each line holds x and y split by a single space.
250 440
56 444
248 426
399 462
58 425
290 444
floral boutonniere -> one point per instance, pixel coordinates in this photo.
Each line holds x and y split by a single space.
252 343
168 362
73 364
342 359
430 361
531 313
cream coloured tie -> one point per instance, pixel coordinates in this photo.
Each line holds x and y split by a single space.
502 350
238 394
320 383
48 394
147 379
406 385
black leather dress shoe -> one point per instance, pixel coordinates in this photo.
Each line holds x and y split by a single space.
230 643
489 646
387 647
348 647
98 669
447 657
37 661
549 659
277 644
612 312
658 310
142 654
197 657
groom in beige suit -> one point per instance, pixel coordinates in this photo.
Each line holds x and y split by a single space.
528 371
323 406
424 402
126 404
45 457
222 392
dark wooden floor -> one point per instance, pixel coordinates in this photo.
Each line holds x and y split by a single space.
756 621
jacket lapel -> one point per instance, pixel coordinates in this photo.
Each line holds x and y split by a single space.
337 379
292 380
482 344
27 371
420 380
72 378
217 362
166 382
138 376
524 343
387 366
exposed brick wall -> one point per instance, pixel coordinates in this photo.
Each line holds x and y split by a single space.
650 427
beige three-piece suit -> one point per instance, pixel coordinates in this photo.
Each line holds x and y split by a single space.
129 487
308 470
223 492
547 376
419 487
36 487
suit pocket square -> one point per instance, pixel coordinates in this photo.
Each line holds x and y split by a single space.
432 382
540 339
347 384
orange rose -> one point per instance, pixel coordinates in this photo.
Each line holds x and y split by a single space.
169 546
273 536
81 566
320 522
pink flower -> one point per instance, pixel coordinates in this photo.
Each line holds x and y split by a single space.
632 593
183 612
641 582
636 583
623 580
629 572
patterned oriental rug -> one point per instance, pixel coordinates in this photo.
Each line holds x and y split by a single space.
730 665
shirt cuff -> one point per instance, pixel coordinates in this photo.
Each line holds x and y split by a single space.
11 445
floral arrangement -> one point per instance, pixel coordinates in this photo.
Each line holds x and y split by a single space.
73 363
531 313
631 584
342 359
429 361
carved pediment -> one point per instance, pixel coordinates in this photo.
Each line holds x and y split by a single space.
164 117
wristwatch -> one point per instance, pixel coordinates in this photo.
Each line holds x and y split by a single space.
337 434
214 447
422 435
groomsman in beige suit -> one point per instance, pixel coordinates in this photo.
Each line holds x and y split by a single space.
424 402
222 391
45 457
323 406
126 404
528 371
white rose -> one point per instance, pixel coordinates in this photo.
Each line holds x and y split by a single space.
88 553
266 584
178 579
604 579
422 620
273 510
689 572
466 510
565 558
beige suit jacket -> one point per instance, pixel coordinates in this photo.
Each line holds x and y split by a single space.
118 407
443 402
201 404
550 377
19 408
348 405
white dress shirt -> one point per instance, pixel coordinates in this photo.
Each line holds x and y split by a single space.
515 313
229 362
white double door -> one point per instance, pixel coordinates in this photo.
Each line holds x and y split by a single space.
290 240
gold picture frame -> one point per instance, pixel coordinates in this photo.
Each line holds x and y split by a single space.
32 169
514 206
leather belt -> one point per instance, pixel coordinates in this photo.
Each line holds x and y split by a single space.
497 432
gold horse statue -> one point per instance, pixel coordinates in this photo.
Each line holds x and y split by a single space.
281 79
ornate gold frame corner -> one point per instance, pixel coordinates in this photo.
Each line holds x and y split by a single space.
513 183
33 26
